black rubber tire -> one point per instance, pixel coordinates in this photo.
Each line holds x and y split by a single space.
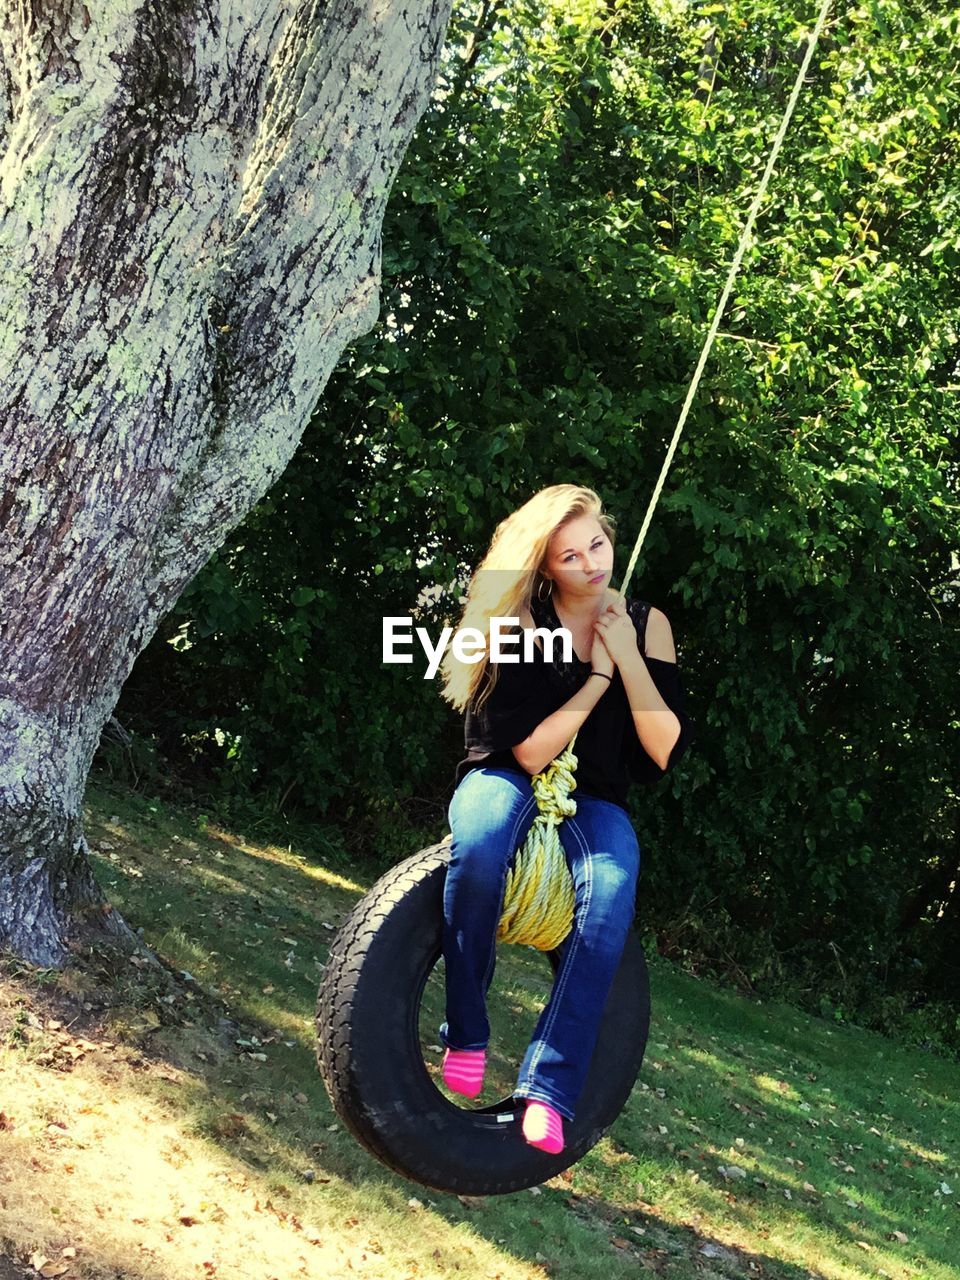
369 1055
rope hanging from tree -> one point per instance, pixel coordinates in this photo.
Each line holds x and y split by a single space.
539 896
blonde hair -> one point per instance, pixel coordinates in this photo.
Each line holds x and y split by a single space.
505 580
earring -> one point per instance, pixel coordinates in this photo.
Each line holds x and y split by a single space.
540 596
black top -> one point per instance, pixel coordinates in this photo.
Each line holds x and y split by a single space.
609 754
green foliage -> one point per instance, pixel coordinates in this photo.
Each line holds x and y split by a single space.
555 243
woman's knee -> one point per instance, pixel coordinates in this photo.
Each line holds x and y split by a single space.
606 833
606 866
606 906
612 885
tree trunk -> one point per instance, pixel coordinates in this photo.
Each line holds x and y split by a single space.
191 199
45 877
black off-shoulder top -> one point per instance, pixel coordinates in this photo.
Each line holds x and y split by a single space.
609 753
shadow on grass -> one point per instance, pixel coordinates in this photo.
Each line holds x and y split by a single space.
725 1083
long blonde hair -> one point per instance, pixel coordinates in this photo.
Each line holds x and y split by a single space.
507 577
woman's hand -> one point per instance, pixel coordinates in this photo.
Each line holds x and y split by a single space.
616 632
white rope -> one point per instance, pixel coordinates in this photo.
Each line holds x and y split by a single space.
728 287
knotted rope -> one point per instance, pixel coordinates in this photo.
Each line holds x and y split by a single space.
538 898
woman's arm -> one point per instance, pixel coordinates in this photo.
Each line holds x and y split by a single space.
553 733
658 727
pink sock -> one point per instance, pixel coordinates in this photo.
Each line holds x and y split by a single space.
463 1070
543 1127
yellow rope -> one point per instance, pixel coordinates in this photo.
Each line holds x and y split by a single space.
539 897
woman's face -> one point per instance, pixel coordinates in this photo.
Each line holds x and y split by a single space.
579 559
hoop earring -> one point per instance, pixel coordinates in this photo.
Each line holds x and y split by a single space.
540 596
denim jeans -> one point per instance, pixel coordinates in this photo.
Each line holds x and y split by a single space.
490 813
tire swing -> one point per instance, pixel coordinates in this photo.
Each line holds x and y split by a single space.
384 952
370 999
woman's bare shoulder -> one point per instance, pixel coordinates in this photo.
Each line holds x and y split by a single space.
659 636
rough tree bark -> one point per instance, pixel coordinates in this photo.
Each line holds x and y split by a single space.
191 198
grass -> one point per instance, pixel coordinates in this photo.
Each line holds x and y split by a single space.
171 1123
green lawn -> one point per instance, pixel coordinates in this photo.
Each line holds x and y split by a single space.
759 1141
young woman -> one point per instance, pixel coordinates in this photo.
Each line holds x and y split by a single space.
549 564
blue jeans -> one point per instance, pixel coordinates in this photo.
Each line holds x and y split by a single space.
490 814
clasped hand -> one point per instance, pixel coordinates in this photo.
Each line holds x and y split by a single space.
614 636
